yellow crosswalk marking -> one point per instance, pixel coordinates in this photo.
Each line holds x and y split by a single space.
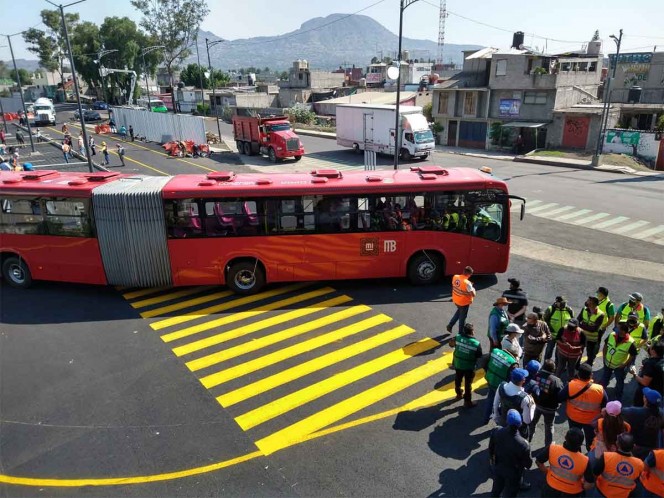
185 304
314 391
193 315
143 292
311 366
270 359
168 297
256 344
298 431
236 317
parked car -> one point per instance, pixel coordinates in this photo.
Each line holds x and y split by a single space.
89 115
100 106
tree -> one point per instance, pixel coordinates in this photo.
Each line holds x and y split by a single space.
26 78
375 60
283 76
85 43
50 45
174 24
427 110
190 76
122 34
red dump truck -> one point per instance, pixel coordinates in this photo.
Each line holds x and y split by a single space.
271 136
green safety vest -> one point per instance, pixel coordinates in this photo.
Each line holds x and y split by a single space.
604 305
651 327
499 367
626 311
465 352
617 354
639 333
558 318
591 336
504 322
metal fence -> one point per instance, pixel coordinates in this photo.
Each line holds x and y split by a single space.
161 128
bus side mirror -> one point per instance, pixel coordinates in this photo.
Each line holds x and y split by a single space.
523 211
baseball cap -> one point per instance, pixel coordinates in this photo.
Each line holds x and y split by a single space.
632 318
573 323
518 375
614 408
513 328
652 396
533 367
514 418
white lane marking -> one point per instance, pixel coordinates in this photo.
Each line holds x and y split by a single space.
590 219
541 207
549 214
610 223
575 214
630 227
649 233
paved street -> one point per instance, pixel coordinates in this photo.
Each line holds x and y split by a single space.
322 389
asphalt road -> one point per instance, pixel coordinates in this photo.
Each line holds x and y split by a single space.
321 390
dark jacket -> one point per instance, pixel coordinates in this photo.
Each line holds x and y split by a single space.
509 451
535 338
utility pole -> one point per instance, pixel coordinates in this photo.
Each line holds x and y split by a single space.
102 53
607 103
73 75
209 44
200 73
404 4
145 70
20 91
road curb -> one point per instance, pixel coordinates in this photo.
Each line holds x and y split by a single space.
548 162
314 133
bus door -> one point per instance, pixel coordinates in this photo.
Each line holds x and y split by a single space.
489 232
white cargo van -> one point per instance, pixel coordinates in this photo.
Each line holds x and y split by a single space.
44 112
371 126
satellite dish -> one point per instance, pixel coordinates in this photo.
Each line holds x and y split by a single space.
392 72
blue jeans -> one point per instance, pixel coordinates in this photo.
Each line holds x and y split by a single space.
620 374
460 315
489 404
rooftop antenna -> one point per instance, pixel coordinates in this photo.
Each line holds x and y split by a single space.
441 31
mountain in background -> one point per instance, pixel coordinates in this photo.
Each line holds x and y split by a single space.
27 64
326 42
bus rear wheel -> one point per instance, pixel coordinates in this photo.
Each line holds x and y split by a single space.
425 269
246 277
16 273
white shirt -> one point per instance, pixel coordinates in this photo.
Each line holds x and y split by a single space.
527 405
513 346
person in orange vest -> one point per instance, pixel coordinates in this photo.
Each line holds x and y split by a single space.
585 401
652 478
568 473
617 472
463 294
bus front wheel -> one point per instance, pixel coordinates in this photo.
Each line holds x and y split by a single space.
246 277
425 269
16 272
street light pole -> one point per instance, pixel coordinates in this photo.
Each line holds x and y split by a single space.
209 44
607 103
145 70
200 73
404 4
20 91
81 117
103 53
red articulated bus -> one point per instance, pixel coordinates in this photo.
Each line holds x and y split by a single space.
247 230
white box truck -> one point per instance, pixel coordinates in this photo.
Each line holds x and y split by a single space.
371 127
44 111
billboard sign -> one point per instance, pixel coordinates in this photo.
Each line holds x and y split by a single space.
510 107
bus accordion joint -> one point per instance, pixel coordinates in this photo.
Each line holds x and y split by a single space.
327 173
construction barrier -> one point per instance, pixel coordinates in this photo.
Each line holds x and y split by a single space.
159 127
102 129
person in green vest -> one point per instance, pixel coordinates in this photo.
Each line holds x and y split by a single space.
498 322
556 317
619 354
656 328
637 331
607 307
633 305
498 368
590 321
467 350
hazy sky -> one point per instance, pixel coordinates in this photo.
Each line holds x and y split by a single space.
568 21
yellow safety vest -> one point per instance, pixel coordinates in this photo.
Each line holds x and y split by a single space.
617 354
603 305
591 336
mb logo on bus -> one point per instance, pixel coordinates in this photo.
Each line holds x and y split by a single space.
371 247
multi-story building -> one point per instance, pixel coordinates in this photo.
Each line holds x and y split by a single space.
549 100
302 81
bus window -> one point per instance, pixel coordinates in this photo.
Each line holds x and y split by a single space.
488 222
183 219
68 218
21 216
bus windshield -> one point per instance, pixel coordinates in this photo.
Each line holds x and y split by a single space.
422 137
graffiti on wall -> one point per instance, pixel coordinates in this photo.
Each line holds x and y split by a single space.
576 126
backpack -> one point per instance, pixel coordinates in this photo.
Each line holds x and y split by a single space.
508 403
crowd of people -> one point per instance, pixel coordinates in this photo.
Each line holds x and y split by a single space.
542 360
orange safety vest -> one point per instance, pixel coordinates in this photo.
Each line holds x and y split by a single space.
653 481
566 470
619 476
585 408
460 293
